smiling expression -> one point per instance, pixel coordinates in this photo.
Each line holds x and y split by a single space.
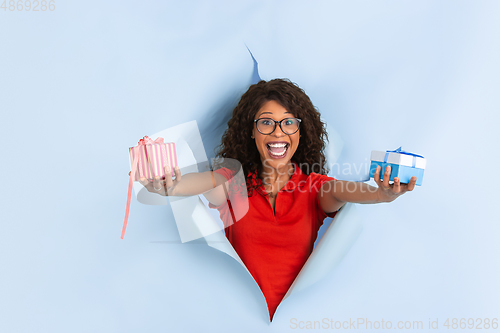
276 149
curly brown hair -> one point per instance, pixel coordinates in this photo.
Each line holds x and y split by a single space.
237 144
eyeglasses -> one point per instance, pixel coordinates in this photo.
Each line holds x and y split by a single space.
267 126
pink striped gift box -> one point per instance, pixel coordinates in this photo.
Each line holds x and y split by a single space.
152 157
149 159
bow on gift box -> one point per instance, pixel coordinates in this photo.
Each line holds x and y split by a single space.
145 141
148 141
399 151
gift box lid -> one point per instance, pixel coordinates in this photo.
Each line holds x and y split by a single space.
399 157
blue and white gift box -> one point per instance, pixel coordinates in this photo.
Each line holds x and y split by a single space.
403 165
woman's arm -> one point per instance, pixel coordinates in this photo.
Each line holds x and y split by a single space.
334 194
211 184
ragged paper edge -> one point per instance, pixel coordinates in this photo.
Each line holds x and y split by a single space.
205 222
336 242
332 247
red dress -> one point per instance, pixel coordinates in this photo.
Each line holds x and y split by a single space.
274 245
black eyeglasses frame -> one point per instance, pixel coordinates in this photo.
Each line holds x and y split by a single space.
277 122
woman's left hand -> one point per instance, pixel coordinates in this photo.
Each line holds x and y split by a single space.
389 192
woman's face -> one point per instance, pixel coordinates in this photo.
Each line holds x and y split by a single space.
276 149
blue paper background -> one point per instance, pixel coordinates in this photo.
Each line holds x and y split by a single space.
81 84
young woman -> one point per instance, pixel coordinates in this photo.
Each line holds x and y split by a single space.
279 139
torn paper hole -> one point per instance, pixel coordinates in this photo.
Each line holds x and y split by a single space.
196 220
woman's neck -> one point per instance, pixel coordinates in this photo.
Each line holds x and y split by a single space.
272 175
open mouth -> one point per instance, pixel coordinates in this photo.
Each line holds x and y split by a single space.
277 150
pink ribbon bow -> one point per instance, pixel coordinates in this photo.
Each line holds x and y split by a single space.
148 141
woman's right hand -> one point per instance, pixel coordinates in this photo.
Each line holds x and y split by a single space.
166 186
